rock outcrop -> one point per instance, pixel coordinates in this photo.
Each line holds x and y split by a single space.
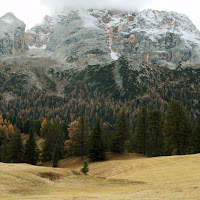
38 36
12 35
159 38
80 41
154 37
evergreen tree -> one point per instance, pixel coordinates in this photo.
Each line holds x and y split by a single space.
19 124
4 154
177 129
65 127
140 136
52 134
195 139
85 168
55 156
30 152
155 136
80 139
15 149
96 150
37 126
108 140
122 134
27 126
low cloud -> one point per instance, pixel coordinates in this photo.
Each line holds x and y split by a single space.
100 4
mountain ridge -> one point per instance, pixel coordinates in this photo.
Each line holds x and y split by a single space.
79 76
156 37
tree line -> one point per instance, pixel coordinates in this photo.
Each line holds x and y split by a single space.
154 135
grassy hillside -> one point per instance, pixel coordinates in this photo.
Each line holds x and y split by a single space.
127 176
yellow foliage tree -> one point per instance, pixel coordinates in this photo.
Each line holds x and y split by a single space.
72 131
1 119
4 131
10 130
43 124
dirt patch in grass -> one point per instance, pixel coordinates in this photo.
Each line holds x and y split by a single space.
123 181
50 175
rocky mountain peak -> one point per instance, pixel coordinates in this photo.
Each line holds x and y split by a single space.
162 20
80 41
9 15
12 35
160 38
155 37
10 20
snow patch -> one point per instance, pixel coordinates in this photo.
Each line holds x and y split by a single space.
34 47
115 21
113 55
88 20
8 20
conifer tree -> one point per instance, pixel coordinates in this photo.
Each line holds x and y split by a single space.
177 129
122 134
155 136
15 151
85 168
55 156
27 126
195 139
96 150
30 151
79 140
52 134
140 136
5 152
19 124
72 131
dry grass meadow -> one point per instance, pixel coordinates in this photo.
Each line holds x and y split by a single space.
121 177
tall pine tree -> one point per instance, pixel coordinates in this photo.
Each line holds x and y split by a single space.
122 134
96 149
79 140
30 151
195 139
15 150
52 134
177 129
139 138
55 158
155 136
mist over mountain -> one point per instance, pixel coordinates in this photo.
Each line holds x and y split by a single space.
109 4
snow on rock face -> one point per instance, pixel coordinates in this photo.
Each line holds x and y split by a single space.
79 41
34 47
160 38
12 35
113 55
8 20
38 36
151 36
88 20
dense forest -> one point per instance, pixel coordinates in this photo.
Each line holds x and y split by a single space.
154 135
102 91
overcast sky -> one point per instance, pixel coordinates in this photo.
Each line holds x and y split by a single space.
33 11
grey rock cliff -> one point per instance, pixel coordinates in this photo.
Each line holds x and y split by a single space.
159 38
80 41
97 36
12 35
38 36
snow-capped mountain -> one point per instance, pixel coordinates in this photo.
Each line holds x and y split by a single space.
12 33
38 36
154 37
88 43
